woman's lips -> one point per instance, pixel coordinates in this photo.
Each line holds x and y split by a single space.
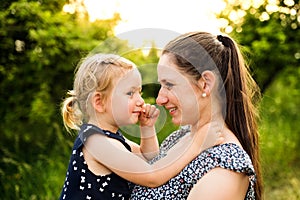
172 110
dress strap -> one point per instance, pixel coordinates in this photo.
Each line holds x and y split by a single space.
87 130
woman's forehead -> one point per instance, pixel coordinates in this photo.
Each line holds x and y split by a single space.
167 69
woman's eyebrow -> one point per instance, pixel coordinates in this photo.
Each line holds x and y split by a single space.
162 81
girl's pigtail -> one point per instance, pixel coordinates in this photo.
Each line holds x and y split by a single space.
72 116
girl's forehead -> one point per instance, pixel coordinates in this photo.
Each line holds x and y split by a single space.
132 74
132 78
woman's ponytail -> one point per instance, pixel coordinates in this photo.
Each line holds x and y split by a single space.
242 95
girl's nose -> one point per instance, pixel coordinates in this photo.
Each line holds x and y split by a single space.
140 101
161 99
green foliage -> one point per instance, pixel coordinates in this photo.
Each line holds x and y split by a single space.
281 136
270 36
40 47
270 31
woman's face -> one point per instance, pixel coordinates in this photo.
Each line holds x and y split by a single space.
177 93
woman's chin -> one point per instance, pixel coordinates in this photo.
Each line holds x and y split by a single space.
176 121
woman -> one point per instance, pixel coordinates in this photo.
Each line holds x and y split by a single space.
205 82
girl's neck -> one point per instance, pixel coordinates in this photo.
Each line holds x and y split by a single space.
104 126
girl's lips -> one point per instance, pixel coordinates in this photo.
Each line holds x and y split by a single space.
136 112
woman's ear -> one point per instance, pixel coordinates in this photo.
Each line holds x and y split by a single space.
98 102
207 82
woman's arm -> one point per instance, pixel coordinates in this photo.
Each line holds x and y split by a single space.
222 184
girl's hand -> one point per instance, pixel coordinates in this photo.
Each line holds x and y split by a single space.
211 135
148 115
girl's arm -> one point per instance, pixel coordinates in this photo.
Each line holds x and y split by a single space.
148 147
118 159
230 185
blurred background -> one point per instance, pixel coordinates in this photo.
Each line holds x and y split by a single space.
41 41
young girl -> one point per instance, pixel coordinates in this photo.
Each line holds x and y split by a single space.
106 95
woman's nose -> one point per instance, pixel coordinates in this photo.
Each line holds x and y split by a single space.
161 98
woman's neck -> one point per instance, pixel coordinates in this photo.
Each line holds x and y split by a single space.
217 124
213 130
207 134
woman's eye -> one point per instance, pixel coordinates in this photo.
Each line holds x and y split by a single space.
169 85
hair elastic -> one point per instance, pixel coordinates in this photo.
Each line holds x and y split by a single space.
223 40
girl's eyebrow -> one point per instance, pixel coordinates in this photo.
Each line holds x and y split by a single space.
136 88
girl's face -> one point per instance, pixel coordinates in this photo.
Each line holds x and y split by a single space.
126 101
177 93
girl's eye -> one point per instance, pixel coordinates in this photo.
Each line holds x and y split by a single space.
131 93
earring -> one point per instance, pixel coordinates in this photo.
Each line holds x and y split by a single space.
204 94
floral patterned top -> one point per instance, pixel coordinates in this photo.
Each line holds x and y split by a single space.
228 156
81 183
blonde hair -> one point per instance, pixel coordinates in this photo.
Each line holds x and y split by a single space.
93 73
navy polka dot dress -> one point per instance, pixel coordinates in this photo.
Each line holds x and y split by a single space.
81 183
228 156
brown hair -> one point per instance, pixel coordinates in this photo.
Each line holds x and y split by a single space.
94 73
196 52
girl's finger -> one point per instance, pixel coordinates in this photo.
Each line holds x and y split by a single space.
152 110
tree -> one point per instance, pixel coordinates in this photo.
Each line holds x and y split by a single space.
40 47
270 31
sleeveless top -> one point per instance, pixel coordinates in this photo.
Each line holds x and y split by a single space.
228 156
81 183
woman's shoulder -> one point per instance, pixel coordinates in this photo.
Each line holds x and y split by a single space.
230 156
228 150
